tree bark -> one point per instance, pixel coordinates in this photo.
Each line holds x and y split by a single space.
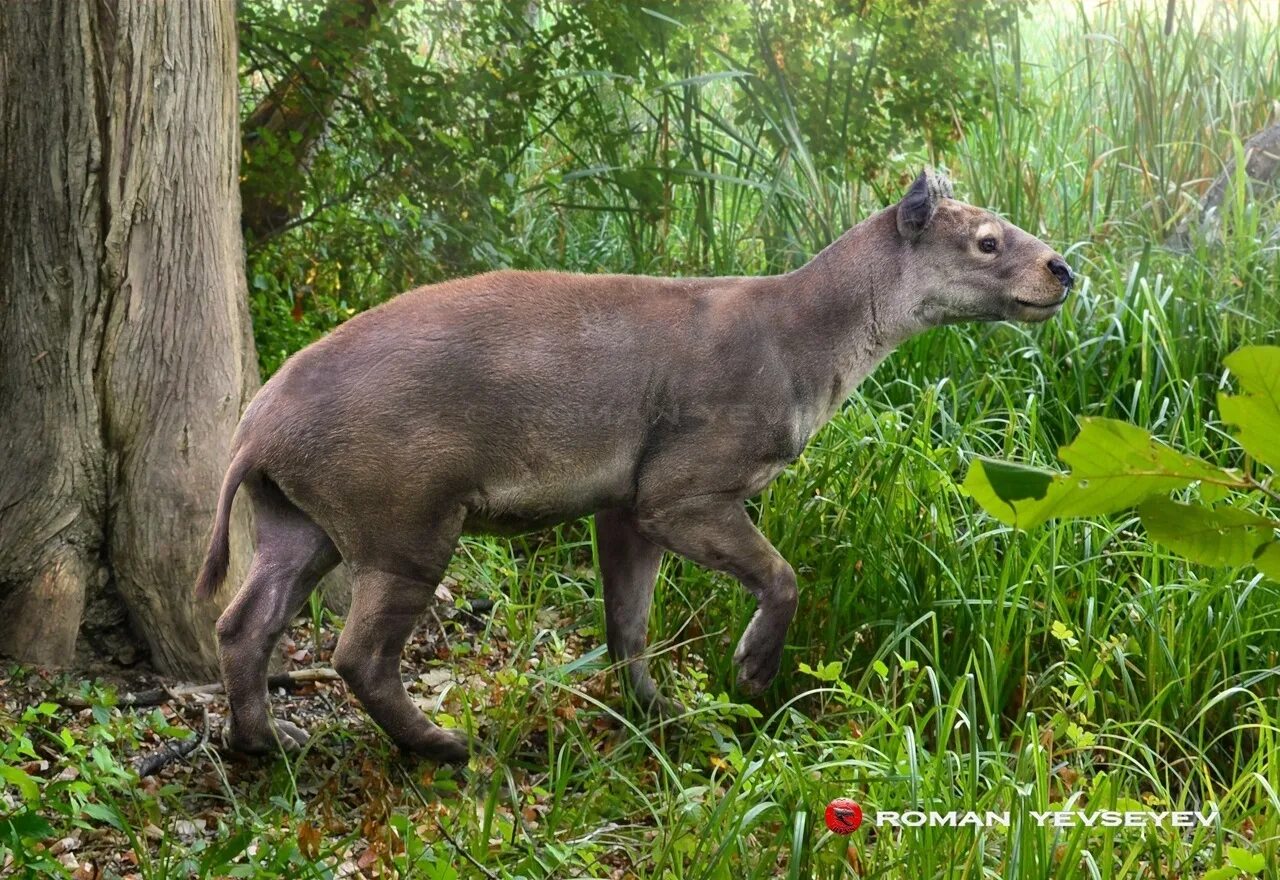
127 352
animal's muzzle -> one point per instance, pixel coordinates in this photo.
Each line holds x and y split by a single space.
1062 272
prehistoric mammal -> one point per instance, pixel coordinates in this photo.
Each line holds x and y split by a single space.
515 400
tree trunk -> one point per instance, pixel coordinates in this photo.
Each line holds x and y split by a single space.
127 353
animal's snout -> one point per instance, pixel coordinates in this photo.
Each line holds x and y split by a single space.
1062 271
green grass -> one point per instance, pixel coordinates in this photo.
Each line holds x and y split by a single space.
976 668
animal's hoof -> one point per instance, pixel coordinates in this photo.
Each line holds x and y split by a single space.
290 736
665 707
648 703
279 736
751 685
756 671
449 747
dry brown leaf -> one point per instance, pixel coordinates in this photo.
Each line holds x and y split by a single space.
309 838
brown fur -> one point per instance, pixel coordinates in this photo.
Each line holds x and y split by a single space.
515 400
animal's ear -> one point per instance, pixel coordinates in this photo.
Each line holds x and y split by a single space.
921 201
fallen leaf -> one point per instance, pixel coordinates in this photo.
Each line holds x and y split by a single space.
65 845
189 828
309 838
367 860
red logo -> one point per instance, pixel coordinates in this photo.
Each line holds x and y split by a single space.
843 816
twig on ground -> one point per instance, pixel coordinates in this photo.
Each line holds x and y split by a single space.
292 679
159 696
156 761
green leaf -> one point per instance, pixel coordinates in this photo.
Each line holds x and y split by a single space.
1255 414
1250 862
1064 634
1213 536
1130 805
1212 493
1227 872
1079 737
1114 466
224 853
1115 454
1014 482
24 782
105 813
998 485
1267 560
27 824
824 671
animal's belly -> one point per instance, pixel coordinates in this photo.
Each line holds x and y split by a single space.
480 523
539 499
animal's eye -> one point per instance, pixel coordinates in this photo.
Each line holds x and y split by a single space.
987 245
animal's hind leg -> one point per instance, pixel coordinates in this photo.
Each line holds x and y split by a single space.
291 554
387 600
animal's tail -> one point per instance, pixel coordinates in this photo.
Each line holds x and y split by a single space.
215 561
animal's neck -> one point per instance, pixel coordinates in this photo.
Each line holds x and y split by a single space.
844 311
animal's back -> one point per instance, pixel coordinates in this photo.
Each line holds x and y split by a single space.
526 397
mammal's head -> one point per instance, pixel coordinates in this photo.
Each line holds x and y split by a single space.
967 264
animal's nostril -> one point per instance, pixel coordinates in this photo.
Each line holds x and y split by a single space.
1062 271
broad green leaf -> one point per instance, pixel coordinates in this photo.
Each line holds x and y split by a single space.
1251 862
105 813
1212 493
1130 805
1021 507
1255 413
1267 560
1226 872
1213 536
22 780
1114 466
1114 453
1014 482
26 824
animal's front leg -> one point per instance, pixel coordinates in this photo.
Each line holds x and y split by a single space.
629 565
719 534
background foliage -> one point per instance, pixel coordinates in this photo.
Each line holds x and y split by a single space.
940 659
391 145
